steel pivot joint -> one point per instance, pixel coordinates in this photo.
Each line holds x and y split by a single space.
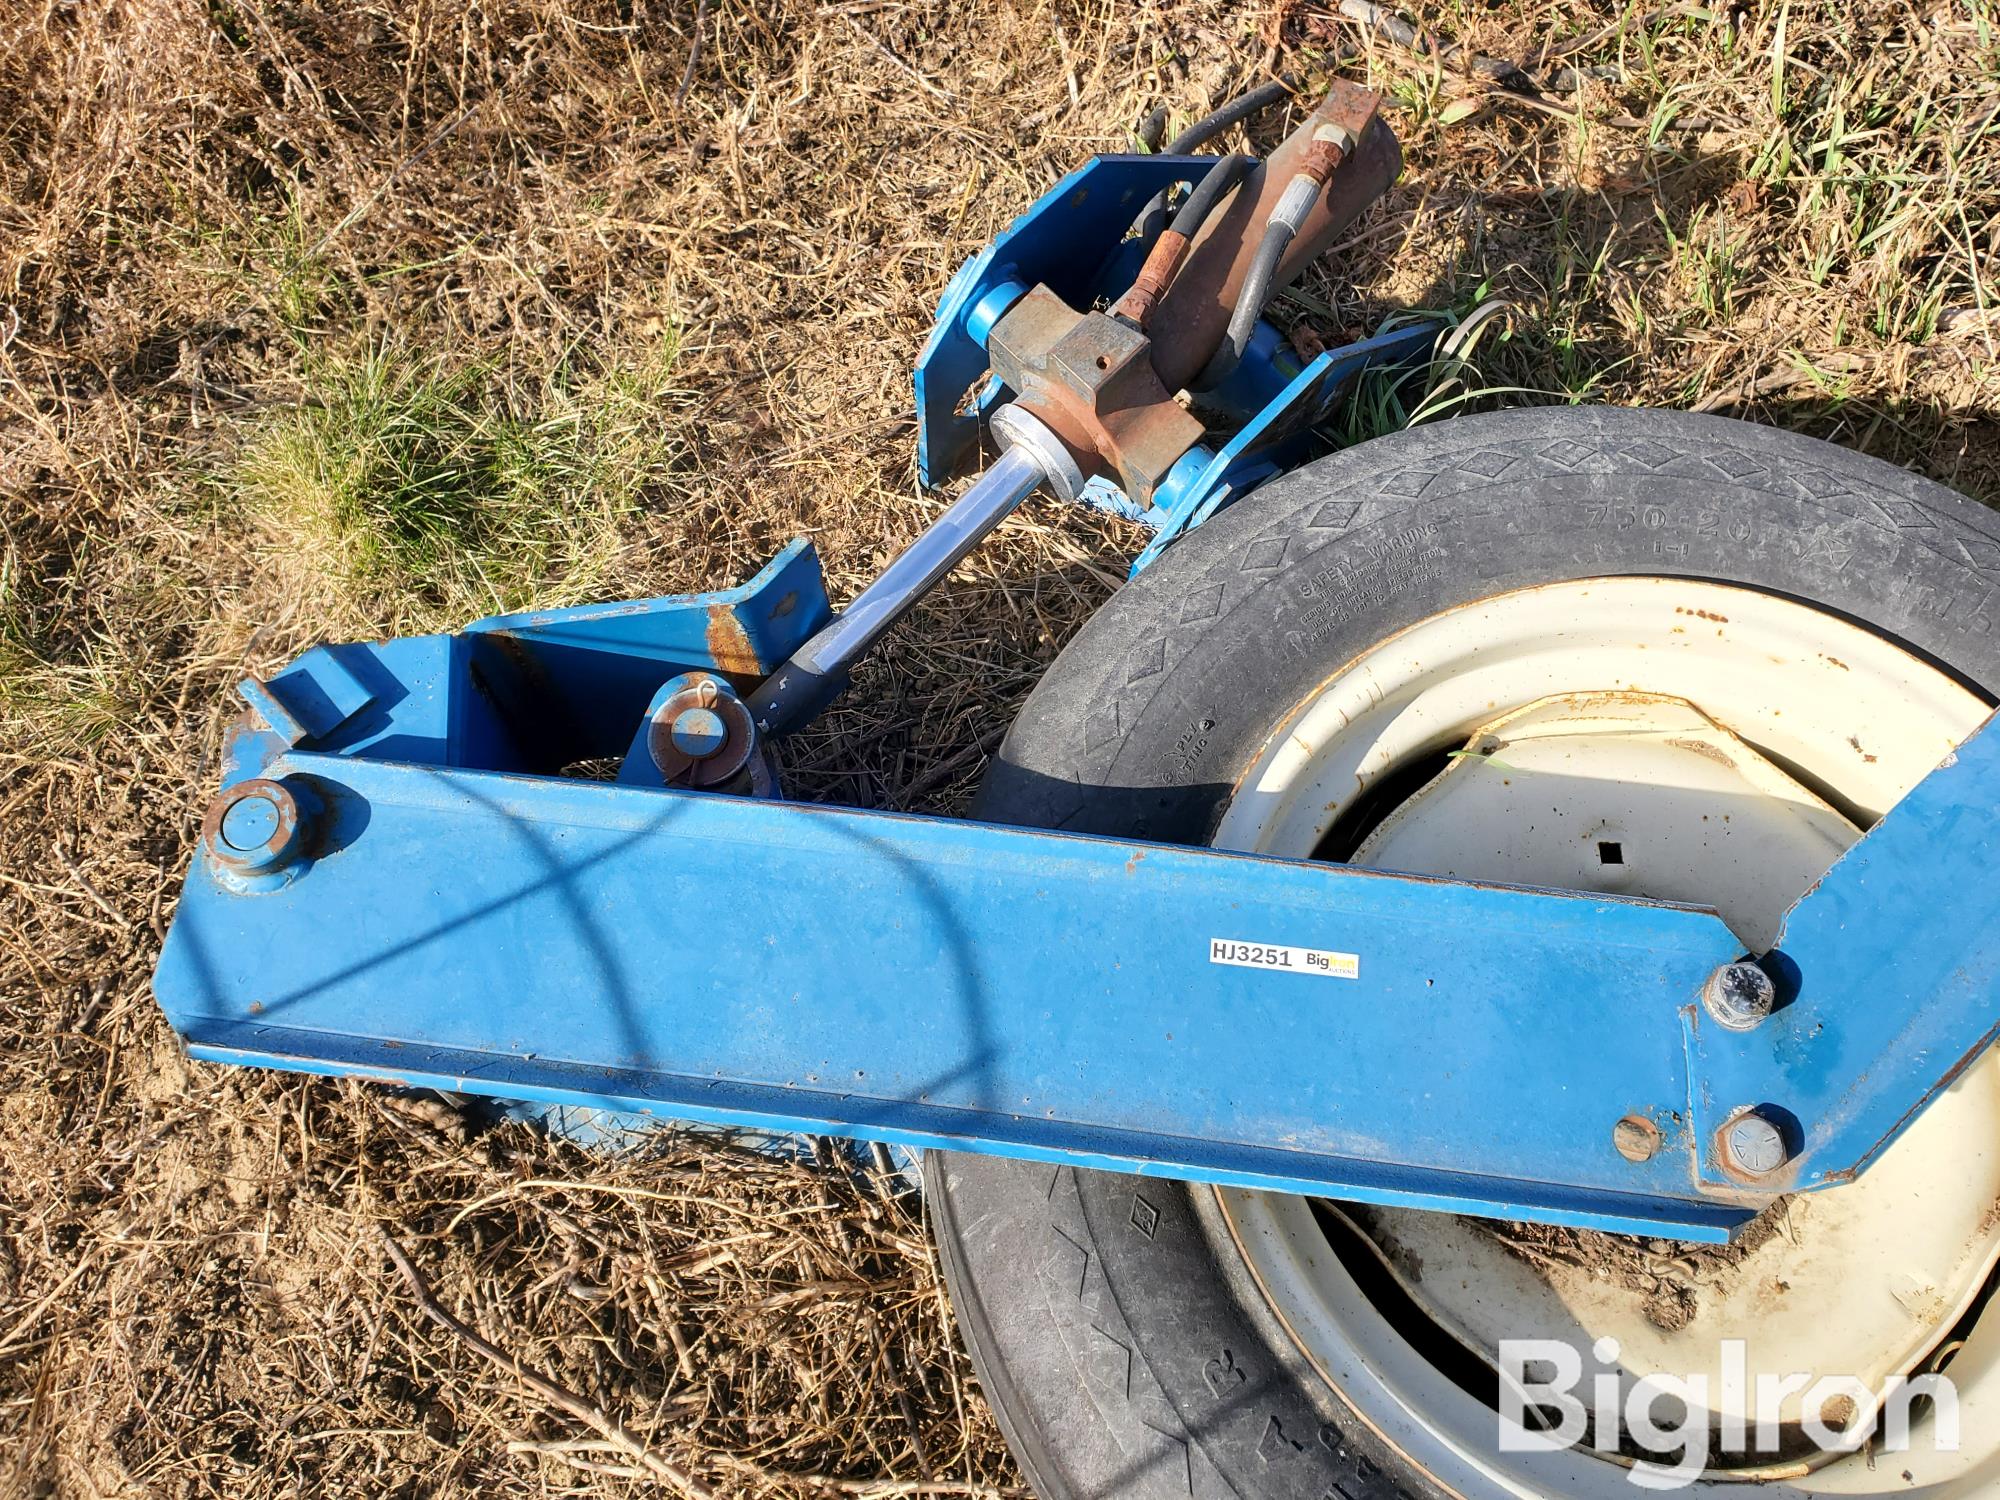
1089 378
697 733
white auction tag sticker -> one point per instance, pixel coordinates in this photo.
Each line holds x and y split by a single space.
1285 960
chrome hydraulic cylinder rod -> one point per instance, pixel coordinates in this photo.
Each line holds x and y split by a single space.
817 671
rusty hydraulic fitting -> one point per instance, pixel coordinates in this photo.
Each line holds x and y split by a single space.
1191 318
1137 305
1331 141
1221 179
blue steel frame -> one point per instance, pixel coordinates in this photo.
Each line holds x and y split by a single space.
460 916
453 911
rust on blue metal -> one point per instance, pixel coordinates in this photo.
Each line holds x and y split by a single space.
526 692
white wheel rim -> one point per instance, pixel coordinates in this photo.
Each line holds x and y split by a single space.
1855 716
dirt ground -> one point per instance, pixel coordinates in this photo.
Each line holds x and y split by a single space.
336 320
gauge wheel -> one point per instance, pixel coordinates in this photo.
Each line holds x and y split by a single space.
1621 650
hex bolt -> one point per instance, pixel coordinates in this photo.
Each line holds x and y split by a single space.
254 828
1752 1145
1636 1138
1330 133
699 732
1739 996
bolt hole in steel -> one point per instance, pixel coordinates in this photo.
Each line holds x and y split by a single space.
1569 736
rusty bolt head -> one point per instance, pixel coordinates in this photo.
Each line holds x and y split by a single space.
1636 1138
1751 1146
1739 996
254 828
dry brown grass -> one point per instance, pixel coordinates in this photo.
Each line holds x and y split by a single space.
258 261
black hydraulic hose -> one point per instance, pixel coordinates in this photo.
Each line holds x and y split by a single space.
1216 184
1209 126
1153 217
1250 300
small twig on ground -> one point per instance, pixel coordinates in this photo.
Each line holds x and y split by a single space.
354 215
611 1430
83 884
903 1401
942 95
950 766
1401 32
694 54
1739 392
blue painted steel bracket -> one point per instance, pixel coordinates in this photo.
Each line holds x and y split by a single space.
1272 440
1889 983
527 692
1072 240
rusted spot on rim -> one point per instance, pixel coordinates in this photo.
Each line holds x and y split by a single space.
1705 750
729 644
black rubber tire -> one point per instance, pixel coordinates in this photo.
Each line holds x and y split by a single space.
1117 1333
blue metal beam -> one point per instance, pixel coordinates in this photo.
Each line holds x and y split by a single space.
1888 977
416 897
935 981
